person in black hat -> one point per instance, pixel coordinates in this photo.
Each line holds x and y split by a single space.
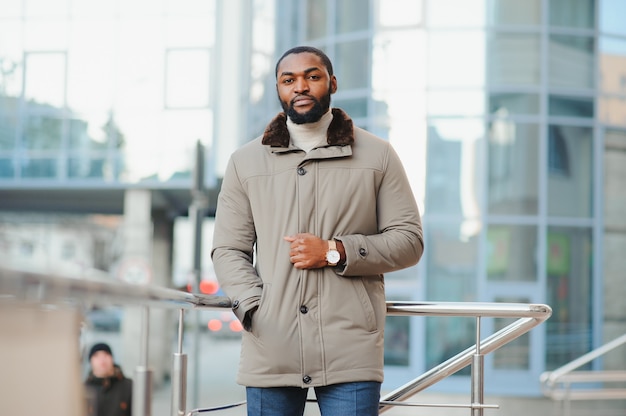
109 392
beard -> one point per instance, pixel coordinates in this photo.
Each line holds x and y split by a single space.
320 107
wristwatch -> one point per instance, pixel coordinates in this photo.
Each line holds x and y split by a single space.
332 255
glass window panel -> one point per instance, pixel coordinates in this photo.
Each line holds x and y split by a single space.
515 12
512 253
182 130
42 133
49 34
451 262
397 336
514 59
615 139
7 132
612 62
559 105
571 61
611 19
45 78
38 168
6 168
455 103
456 13
187 78
91 66
87 167
80 136
389 52
612 110
572 13
453 165
511 103
356 107
456 59
569 293
352 16
394 13
316 15
514 355
352 64
446 337
190 31
513 168
11 58
570 171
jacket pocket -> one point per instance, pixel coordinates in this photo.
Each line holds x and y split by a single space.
369 314
254 330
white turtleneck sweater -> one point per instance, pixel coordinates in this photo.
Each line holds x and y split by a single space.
309 135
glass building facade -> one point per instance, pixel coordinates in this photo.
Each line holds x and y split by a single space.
510 117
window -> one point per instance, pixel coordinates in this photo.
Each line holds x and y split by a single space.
570 171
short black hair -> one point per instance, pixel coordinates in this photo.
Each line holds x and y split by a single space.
310 49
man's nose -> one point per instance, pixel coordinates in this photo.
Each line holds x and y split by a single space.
301 85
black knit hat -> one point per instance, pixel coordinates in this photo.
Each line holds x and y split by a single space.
100 347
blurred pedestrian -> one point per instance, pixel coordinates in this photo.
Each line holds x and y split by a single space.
109 392
310 216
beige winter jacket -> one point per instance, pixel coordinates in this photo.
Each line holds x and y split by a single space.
322 326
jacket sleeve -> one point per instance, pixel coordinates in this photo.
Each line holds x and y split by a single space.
233 245
399 242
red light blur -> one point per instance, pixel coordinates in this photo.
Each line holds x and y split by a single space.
235 325
209 287
214 325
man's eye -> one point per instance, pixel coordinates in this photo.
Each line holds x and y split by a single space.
287 81
314 77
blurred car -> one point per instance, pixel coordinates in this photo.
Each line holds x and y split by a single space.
221 324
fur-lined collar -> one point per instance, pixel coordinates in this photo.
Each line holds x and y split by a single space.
340 130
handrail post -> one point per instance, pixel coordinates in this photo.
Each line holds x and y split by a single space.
179 372
477 376
142 383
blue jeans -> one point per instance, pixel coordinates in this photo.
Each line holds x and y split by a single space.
345 399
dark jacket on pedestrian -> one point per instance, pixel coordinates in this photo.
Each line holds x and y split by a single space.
110 396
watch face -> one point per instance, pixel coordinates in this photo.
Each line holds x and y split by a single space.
333 257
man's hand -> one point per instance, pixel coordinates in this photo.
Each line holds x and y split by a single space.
307 251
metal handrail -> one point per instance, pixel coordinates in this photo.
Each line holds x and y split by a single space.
529 316
34 286
558 384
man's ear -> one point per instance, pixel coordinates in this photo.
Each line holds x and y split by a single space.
333 84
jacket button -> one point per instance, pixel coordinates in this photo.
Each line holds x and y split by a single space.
306 379
301 171
235 304
363 252
304 309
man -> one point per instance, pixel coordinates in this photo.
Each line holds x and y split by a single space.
309 217
109 392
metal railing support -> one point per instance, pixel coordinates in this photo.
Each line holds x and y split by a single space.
179 372
142 382
559 384
478 376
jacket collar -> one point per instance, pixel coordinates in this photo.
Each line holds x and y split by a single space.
340 131
106 381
